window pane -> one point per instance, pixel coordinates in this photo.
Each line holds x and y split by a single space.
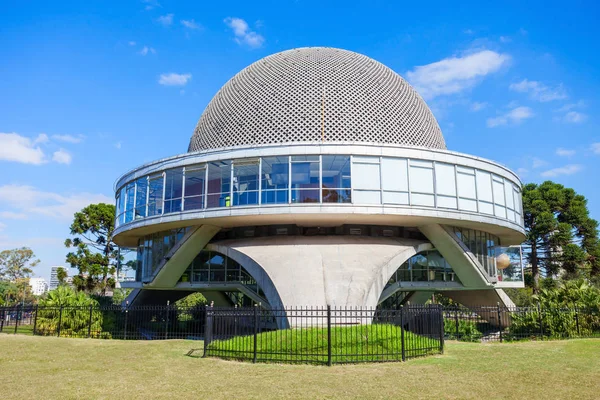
245 183
336 179
275 180
155 200
173 190
194 189
129 205
140 197
219 178
305 182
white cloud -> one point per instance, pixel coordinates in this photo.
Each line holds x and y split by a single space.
118 145
165 20
173 79
565 152
571 106
62 157
14 147
243 35
566 170
505 39
595 147
514 116
190 24
2 226
538 162
12 215
468 31
150 4
145 50
42 138
575 117
477 106
68 138
131 43
28 200
538 91
455 74
522 172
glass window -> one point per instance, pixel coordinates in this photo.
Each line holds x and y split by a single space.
245 182
129 202
336 179
219 178
275 180
194 188
305 179
121 206
141 188
173 190
155 195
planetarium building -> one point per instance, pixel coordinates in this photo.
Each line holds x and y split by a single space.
319 176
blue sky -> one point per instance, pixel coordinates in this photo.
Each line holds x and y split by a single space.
92 89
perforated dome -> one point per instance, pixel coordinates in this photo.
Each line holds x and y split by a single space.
314 95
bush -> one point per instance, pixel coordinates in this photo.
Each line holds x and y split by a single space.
467 330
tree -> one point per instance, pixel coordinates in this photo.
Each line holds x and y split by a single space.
61 275
17 264
561 236
95 255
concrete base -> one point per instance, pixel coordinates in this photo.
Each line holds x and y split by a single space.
340 271
483 302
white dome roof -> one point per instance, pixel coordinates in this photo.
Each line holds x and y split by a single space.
314 95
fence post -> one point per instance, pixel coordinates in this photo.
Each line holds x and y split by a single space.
255 333
167 320
17 318
2 320
125 327
456 321
500 322
541 321
441 328
90 323
329 335
59 320
577 320
35 319
402 333
207 329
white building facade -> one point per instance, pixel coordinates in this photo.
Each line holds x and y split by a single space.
39 286
316 177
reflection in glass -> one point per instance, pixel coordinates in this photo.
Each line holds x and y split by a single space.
129 202
155 195
173 190
305 180
194 188
275 179
245 183
141 187
336 179
427 266
219 178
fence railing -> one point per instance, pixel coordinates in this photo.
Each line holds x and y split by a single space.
324 335
106 322
496 323
501 323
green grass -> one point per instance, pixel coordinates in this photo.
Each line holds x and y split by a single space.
21 329
33 367
358 343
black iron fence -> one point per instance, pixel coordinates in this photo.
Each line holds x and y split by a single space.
324 335
106 322
499 323
174 322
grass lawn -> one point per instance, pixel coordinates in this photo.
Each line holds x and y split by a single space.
357 343
61 368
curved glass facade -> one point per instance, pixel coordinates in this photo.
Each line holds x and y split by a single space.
427 266
319 179
152 249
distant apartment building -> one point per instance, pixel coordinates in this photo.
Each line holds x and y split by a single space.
39 286
54 283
